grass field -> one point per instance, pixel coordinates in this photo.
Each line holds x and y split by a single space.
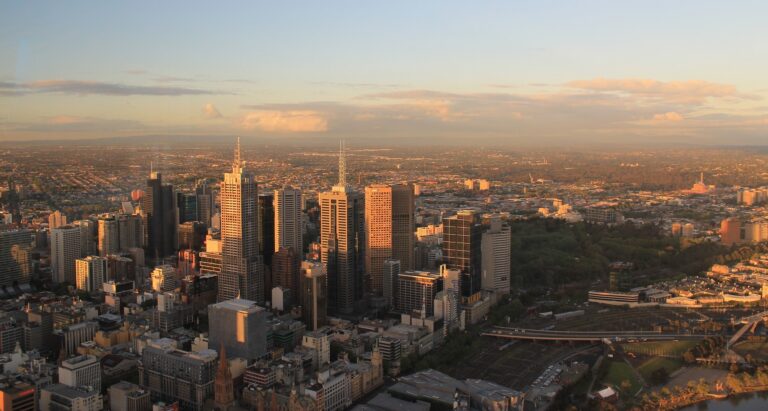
659 347
618 371
648 367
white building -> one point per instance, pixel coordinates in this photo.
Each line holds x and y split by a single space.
288 219
496 245
81 371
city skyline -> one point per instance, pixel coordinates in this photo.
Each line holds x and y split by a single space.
524 73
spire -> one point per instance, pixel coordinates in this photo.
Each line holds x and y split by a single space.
238 162
223 364
342 165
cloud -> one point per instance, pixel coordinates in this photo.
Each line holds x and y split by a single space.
77 124
79 87
211 112
292 121
668 116
688 91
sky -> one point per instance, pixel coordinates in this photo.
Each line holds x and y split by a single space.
510 72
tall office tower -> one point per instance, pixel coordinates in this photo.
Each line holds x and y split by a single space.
267 227
240 326
186 207
496 249
389 230
205 202
159 208
109 237
65 249
286 266
91 273
163 278
81 371
173 375
391 277
130 231
191 235
462 238
288 216
242 272
417 290
314 295
15 259
56 220
224 394
89 232
342 241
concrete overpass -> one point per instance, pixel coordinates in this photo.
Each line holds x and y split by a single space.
593 336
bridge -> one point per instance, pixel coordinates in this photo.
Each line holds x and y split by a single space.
750 323
592 336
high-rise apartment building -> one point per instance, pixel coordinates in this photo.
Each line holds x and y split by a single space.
109 237
288 219
89 232
389 230
314 294
496 249
56 220
240 327
159 210
242 273
65 249
15 258
462 248
91 273
342 243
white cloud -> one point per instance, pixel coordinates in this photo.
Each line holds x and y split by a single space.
211 112
292 121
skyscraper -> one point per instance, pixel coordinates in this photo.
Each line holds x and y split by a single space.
130 231
342 242
205 202
15 259
91 273
389 230
286 266
186 207
496 247
417 290
89 230
242 273
109 237
159 208
65 249
267 228
462 238
314 295
288 209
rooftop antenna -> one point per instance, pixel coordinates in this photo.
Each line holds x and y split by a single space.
701 179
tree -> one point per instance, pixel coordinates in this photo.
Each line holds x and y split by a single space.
660 376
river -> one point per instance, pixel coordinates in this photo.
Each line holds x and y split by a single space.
745 402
